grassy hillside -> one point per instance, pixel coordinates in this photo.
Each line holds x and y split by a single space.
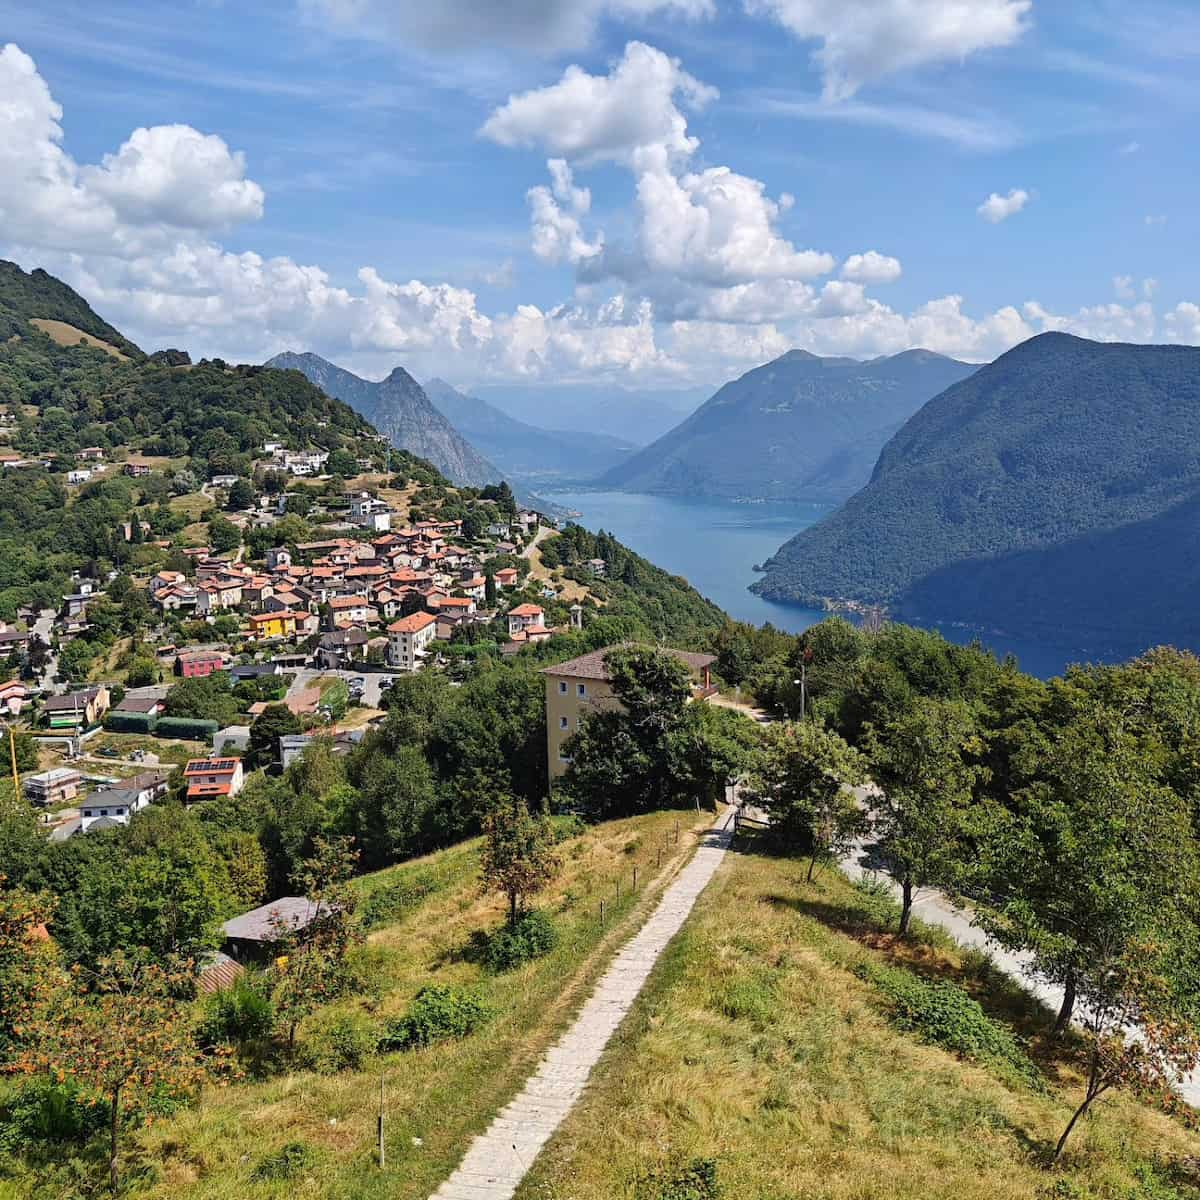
438 1098
1008 477
759 1047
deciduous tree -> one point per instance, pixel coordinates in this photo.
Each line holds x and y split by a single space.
519 858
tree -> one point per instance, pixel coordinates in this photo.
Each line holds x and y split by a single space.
919 760
142 672
268 727
1138 1031
341 462
489 590
203 698
120 1033
314 958
390 812
24 746
519 858
706 750
1092 858
25 958
802 777
223 535
241 496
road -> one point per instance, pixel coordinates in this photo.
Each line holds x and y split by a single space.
42 627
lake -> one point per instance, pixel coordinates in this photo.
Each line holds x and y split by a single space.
715 545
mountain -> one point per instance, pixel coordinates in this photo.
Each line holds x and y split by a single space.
541 456
634 416
399 408
1055 493
800 427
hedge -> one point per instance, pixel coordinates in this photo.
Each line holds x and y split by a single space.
130 722
186 727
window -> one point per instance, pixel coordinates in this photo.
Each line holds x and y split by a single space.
562 687
563 723
583 689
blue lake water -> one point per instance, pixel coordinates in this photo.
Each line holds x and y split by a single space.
715 545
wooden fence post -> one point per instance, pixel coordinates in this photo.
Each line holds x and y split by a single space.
382 1151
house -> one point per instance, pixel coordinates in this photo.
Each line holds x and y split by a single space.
208 778
75 603
256 591
584 685
507 577
473 585
254 937
81 709
116 805
455 604
231 739
215 595
151 706
137 468
13 695
598 567
224 481
90 454
408 639
166 579
279 558
342 646
525 617
273 624
13 639
351 610
497 529
79 475
173 599
52 787
196 664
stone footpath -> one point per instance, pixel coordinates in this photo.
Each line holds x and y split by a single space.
496 1162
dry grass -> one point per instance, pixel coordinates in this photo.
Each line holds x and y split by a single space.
569 590
191 505
755 1045
67 335
443 1095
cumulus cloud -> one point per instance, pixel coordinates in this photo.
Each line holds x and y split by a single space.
541 26
1183 323
866 41
555 214
871 267
597 118
997 208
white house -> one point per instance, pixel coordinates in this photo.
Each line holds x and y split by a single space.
525 617
79 475
408 639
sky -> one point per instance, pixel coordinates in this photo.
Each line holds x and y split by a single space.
653 194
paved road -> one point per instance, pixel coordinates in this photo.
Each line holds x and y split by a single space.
498 1159
42 627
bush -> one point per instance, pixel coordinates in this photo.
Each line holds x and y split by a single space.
942 1014
287 1162
187 728
514 944
436 1013
241 1013
342 1044
696 1181
42 1111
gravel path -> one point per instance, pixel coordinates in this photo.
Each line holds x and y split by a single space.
497 1160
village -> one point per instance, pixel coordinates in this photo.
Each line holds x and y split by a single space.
322 627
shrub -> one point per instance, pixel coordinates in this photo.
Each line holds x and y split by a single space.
42 1111
942 1014
287 1162
695 1181
186 728
241 1013
515 943
343 1044
437 1012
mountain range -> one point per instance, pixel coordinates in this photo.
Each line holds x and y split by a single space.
541 456
801 427
623 413
398 407
1054 493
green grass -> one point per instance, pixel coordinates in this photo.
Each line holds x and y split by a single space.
757 1045
439 1097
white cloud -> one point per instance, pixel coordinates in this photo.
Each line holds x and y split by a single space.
613 117
1149 287
1123 286
555 214
178 177
997 208
1183 323
1131 147
541 26
862 42
1100 322
1156 220
871 267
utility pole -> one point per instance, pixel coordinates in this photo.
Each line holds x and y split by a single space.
382 1151
805 659
12 753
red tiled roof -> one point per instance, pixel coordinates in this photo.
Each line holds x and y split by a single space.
593 666
412 624
525 610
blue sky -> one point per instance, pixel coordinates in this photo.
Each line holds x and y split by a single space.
354 176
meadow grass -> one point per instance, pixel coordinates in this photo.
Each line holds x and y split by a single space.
757 1045
437 1098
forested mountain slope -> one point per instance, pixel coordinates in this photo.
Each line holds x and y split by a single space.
1051 493
399 407
800 427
